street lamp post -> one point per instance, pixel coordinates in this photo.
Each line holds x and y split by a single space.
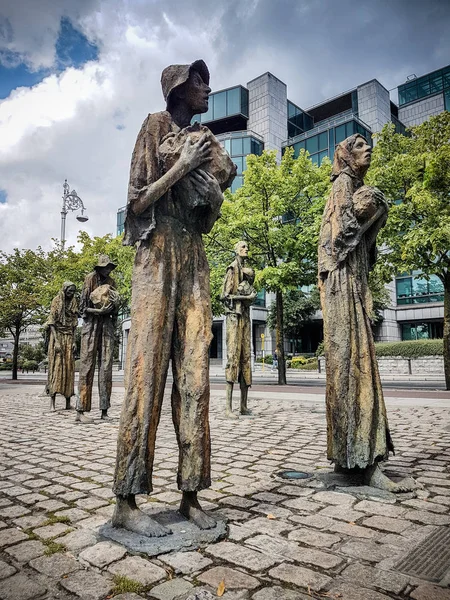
71 201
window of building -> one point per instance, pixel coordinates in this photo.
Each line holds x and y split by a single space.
220 105
236 147
424 86
417 290
260 299
120 221
233 101
422 330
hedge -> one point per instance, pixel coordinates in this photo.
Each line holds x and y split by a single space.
410 349
406 349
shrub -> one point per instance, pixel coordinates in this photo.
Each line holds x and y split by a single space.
410 349
268 359
303 363
320 350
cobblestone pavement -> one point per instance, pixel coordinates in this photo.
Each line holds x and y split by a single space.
286 541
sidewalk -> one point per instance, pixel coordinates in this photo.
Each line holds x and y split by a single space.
286 541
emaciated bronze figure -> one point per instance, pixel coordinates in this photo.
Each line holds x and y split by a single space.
237 296
61 326
178 174
358 431
98 307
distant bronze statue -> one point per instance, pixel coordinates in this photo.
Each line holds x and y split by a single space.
178 174
98 307
237 296
358 431
61 326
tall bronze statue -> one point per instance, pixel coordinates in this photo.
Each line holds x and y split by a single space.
61 326
98 307
237 296
178 174
358 431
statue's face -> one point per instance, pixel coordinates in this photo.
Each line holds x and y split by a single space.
362 153
70 292
242 249
196 93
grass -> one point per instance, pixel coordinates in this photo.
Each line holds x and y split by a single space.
124 585
53 547
52 519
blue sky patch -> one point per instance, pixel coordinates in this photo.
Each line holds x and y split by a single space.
73 49
3 197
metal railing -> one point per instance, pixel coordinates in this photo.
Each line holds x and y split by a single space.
325 125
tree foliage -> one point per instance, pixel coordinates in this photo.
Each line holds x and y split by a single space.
298 309
414 173
278 211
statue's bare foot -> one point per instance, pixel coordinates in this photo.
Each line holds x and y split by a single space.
246 411
128 516
52 403
68 407
81 418
375 477
230 415
191 509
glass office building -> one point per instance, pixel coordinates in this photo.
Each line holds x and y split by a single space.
431 84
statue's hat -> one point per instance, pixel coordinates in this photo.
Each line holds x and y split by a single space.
105 261
175 75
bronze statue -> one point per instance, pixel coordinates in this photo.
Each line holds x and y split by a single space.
237 296
98 307
61 326
358 432
178 173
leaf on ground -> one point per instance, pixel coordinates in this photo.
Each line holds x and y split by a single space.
221 588
271 516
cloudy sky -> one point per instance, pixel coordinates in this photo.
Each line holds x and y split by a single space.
77 78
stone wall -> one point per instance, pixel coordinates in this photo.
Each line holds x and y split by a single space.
418 112
397 365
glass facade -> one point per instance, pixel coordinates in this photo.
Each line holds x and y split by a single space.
120 220
226 103
239 145
323 144
417 290
424 86
260 299
422 331
298 120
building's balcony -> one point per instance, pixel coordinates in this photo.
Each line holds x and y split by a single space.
325 125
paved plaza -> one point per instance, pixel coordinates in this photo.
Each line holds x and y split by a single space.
287 540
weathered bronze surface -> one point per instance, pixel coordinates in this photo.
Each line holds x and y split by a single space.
178 173
237 296
358 430
98 307
61 325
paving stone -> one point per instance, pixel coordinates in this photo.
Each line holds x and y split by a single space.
294 490
347 591
237 501
91 503
272 509
16 490
354 530
51 531
8 537
6 570
169 590
269 497
301 577
201 594
428 518
430 592
383 509
233 579
277 546
50 505
31 498
138 569
318 521
394 525
312 537
55 565
74 514
368 550
233 514
21 587
102 554
241 556
10 512
386 580
186 562
344 513
77 540
303 504
26 551
128 597
30 521
337 498
278 593
88 587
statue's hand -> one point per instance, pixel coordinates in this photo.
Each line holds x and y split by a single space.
204 183
194 155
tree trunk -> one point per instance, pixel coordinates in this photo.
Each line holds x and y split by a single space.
447 330
280 339
16 336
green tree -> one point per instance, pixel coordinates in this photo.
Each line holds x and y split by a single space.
414 173
298 308
24 279
278 211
